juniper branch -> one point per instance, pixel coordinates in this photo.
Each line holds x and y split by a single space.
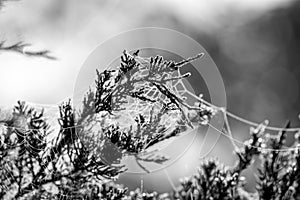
20 47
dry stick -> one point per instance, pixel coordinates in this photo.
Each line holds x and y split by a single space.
272 128
229 130
260 148
251 123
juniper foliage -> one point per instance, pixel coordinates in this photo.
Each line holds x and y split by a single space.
72 166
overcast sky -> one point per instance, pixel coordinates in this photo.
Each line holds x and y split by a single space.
72 30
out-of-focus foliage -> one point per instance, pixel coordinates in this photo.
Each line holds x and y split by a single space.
32 167
20 47
277 178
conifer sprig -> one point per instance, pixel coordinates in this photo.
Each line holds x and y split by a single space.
20 47
136 81
74 164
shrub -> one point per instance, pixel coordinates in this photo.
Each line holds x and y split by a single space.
72 165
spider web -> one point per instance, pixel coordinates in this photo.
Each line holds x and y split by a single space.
135 107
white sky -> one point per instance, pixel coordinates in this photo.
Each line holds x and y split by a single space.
72 30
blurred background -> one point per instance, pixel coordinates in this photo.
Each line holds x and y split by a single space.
255 44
